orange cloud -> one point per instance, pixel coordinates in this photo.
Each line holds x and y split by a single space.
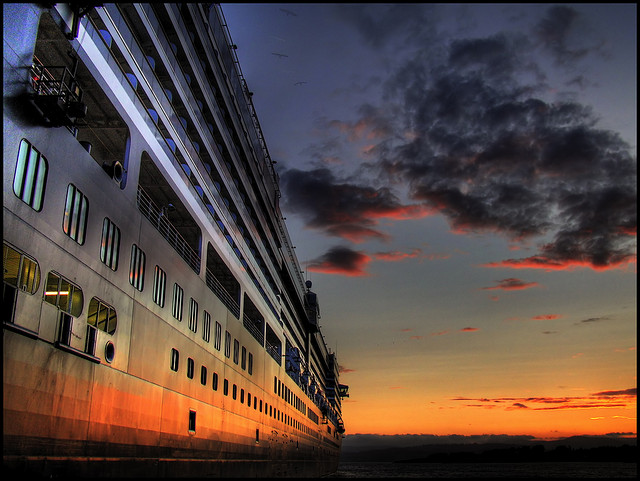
542 262
605 399
546 317
395 256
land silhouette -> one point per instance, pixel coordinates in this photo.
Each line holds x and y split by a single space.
489 449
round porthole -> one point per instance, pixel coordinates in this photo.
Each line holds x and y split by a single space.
109 351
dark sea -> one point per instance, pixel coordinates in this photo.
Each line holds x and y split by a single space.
486 470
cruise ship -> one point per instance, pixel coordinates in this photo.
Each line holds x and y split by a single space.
157 322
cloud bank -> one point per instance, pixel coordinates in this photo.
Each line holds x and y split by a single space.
467 130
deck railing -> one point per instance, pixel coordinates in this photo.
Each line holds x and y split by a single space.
159 220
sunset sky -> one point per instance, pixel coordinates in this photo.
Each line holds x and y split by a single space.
460 185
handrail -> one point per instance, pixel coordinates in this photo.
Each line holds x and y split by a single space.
159 220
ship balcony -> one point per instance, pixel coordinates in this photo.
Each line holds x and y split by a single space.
56 94
159 219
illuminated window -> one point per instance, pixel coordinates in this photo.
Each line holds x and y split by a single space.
206 326
20 270
102 316
76 212
110 245
30 176
136 267
159 286
176 305
193 315
63 294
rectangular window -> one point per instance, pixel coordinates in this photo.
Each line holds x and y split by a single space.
250 367
63 294
193 315
136 267
214 381
217 341
19 270
30 176
176 305
206 326
110 245
159 286
203 375
76 212
225 389
227 343
243 359
175 358
236 351
102 316
192 421
190 368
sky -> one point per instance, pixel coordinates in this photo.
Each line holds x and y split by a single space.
460 185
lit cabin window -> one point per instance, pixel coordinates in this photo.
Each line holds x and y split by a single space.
102 316
136 267
76 211
19 270
159 286
178 298
30 176
63 294
110 245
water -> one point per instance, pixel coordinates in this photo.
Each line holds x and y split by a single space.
485 470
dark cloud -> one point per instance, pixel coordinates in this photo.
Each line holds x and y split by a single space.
512 284
555 31
342 261
341 208
470 133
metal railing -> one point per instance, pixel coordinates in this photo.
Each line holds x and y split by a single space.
218 289
159 220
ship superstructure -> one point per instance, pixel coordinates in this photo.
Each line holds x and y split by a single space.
156 322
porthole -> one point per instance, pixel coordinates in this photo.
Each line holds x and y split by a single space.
109 351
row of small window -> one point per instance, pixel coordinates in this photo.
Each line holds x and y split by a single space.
282 390
251 400
29 185
22 272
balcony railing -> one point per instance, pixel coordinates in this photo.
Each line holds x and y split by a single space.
218 289
159 220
